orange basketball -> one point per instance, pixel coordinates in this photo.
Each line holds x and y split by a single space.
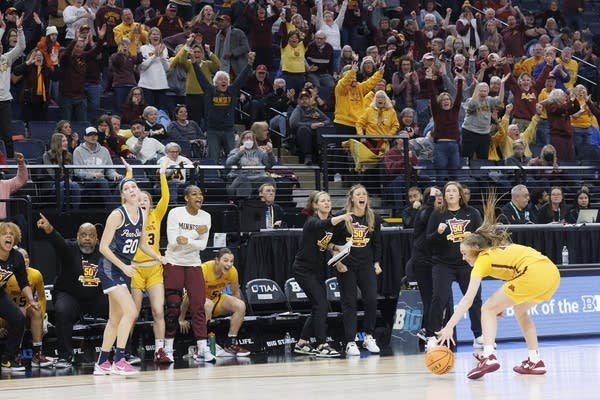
439 360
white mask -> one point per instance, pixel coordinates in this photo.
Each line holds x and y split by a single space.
248 144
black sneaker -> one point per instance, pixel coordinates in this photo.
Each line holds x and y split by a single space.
63 363
305 348
132 359
326 351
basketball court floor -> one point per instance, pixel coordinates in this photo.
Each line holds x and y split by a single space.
573 373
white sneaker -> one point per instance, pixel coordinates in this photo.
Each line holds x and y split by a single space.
352 349
204 354
221 352
432 341
370 344
337 177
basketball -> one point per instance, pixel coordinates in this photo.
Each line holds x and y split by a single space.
439 360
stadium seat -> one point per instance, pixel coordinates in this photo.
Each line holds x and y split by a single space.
265 298
42 130
299 301
32 149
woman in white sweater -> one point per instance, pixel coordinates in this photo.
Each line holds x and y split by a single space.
332 27
75 16
153 70
187 233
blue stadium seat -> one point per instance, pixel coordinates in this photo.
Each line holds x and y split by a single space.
32 149
41 130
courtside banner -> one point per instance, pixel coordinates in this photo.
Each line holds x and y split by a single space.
573 310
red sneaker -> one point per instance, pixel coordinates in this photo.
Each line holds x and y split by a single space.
237 350
529 368
485 365
161 357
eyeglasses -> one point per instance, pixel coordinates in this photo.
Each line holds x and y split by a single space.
136 94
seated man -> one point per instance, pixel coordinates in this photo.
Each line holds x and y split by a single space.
304 122
146 149
266 193
258 86
218 274
34 316
77 288
516 211
97 179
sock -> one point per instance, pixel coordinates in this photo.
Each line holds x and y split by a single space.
169 344
232 339
158 343
534 356
201 343
103 356
488 350
119 353
37 347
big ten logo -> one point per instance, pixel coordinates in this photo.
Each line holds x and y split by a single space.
295 287
149 347
591 303
408 319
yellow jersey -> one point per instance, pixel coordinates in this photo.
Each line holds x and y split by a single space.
36 283
510 262
215 285
153 224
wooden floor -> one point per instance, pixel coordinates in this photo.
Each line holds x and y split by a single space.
572 374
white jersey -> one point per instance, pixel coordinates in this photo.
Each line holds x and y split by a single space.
182 223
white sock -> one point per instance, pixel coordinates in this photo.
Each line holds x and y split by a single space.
158 343
488 350
201 344
169 345
534 355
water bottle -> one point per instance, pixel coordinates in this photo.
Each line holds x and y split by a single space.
268 218
212 343
565 256
287 344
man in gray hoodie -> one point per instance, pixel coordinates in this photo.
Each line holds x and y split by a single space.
95 179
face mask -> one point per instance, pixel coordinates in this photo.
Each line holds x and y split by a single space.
248 144
429 34
549 157
279 91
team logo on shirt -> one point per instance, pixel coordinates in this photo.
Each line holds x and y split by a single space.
458 229
359 235
324 241
5 275
89 278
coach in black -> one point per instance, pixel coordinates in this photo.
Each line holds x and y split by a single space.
516 212
77 286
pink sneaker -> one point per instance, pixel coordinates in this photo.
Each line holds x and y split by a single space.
122 367
485 365
102 369
529 368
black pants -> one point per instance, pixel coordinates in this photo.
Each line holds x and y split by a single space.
306 140
16 325
313 284
67 311
5 124
474 143
366 280
443 276
425 281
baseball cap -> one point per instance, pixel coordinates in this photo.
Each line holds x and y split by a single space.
428 56
172 6
11 10
304 93
90 130
223 17
261 68
84 27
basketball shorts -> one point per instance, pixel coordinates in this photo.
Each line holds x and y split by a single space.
536 285
111 276
217 311
145 277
